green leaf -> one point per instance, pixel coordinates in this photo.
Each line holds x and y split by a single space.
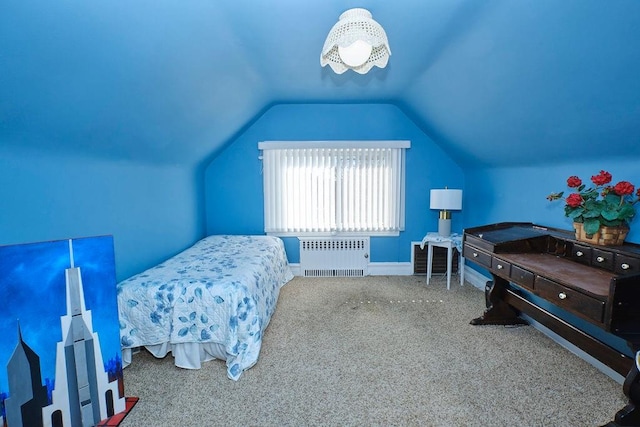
573 213
627 211
612 199
590 194
591 226
592 208
595 213
610 214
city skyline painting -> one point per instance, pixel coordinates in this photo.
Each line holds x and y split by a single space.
60 331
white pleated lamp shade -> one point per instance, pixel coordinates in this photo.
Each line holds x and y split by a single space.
356 42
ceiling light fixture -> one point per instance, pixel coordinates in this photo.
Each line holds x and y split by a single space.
356 42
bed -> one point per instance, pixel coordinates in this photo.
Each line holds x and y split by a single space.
212 301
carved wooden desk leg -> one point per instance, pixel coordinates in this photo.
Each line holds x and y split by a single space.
630 414
498 312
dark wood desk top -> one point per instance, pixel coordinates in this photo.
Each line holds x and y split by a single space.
591 280
506 236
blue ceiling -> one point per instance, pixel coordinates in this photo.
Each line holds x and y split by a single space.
494 82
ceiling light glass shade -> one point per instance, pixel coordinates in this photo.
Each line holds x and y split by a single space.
356 42
356 54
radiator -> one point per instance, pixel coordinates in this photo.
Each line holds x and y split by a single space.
334 257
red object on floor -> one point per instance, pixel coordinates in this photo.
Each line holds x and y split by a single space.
115 420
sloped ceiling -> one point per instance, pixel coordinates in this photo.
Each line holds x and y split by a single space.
494 82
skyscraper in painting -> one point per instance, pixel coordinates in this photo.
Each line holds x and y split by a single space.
28 395
82 395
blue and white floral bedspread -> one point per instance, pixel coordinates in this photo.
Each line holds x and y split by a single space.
223 290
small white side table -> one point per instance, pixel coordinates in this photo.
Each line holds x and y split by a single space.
448 242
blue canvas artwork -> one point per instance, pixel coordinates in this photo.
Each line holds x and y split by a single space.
60 357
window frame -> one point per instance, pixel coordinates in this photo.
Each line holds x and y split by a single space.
347 144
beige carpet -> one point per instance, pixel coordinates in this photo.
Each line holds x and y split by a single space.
381 351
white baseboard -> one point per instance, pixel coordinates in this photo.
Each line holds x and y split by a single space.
404 269
575 350
390 269
295 269
476 279
375 269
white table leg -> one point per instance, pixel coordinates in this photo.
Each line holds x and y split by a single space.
461 270
429 260
449 259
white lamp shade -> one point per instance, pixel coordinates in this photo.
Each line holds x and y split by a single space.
446 199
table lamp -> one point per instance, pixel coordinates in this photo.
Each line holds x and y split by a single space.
446 200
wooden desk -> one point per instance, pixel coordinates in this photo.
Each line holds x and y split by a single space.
599 284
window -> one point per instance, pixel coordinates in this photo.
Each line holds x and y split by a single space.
339 187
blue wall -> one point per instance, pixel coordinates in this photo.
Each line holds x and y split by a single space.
152 211
519 193
233 182
155 210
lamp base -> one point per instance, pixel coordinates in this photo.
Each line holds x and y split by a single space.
444 227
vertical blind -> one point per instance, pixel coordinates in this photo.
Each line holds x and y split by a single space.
334 187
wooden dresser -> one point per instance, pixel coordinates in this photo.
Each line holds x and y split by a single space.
598 284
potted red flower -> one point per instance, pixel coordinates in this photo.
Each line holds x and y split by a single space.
601 214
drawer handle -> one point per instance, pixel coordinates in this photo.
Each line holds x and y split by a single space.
579 253
500 267
562 295
475 254
625 266
600 259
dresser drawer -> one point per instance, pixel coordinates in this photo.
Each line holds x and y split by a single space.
522 277
575 302
474 254
581 254
602 259
501 267
626 265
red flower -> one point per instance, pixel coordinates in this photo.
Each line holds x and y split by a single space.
574 200
574 182
623 188
603 204
602 178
